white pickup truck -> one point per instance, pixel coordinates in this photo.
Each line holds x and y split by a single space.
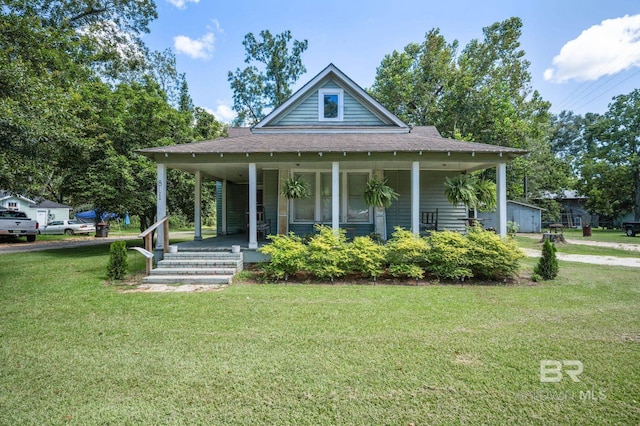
17 224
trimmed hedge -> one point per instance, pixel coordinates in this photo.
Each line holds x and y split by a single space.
443 255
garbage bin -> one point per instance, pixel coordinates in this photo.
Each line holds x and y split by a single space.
102 230
586 231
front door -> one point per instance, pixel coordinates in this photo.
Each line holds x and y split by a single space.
41 217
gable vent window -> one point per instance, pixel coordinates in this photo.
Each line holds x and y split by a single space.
330 104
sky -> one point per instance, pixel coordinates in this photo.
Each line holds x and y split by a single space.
582 52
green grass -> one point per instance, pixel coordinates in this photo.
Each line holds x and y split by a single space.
534 243
76 351
605 235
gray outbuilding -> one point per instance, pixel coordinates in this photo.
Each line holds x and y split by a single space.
527 217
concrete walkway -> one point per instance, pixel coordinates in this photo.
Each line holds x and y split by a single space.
593 260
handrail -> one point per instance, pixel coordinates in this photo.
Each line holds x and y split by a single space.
147 234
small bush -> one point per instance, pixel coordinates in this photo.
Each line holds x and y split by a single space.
491 257
407 254
448 255
366 256
327 253
547 267
288 255
117 265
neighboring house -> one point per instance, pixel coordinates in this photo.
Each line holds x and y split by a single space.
42 210
528 218
573 211
335 136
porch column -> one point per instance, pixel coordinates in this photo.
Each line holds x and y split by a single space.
283 205
223 209
197 208
161 208
253 208
335 196
415 197
501 195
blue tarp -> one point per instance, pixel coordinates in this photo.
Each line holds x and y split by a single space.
91 215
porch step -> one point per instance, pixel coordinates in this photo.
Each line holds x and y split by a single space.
196 268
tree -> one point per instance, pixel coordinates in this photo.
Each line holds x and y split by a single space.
610 171
481 94
255 90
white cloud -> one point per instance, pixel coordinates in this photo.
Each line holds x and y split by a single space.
224 113
181 4
605 49
201 48
217 25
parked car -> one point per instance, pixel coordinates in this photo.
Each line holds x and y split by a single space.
68 227
17 224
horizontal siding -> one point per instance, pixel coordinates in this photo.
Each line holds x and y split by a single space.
306 112
431 197
270 198
237 207
399 213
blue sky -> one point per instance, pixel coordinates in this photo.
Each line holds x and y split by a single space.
582 52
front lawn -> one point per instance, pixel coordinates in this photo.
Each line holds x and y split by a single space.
76 351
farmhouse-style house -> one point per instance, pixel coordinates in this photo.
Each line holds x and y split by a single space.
335 137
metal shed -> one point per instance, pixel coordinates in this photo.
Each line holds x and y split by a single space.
527 217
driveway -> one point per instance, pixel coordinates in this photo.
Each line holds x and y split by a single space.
23 247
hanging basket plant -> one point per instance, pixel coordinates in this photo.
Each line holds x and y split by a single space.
295 187
379 194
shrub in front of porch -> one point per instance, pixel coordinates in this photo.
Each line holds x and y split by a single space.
288 255
491 257
407 254
448 255
327 257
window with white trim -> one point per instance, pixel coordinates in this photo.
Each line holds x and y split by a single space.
330 104
357 209
318 207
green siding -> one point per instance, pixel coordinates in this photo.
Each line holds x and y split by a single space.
219 208
431 197
237 207
399 213
270 198
306 112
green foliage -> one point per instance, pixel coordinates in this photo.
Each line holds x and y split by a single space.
295 187
547 267
448 255
491 257
379 194
512 228
366 256
253 89
117 265
328 255
407 254
472 192
288 255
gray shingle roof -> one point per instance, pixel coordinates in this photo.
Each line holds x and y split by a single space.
310 139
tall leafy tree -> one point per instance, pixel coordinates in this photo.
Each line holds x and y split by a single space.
258 89
481 94
610 175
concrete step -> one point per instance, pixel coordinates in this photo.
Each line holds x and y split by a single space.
203 255
200 263
193 271
187 279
